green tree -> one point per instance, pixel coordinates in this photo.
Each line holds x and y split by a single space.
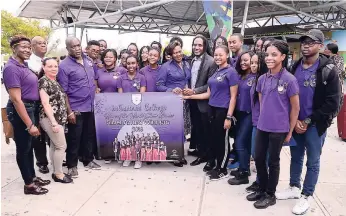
11 25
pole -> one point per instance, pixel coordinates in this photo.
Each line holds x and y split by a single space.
246 9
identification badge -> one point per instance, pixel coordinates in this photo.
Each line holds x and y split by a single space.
250 81
281 89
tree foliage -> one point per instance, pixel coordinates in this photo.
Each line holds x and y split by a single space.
11 25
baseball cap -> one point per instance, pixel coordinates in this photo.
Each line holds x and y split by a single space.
314 34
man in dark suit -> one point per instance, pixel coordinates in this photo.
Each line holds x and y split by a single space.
202 67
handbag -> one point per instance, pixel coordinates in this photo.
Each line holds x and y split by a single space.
7 126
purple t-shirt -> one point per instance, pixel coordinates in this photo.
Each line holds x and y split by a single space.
171 76
20 76
243 98
150 77
275 105
133 85
107 80
307 83
219 84
255 107
78 83
233 61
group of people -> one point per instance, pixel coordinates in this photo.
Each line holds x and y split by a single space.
252 96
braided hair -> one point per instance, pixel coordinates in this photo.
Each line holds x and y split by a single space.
283 48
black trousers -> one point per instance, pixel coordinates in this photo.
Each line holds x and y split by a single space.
81 138
200 128
40 145
271 143
40 148
219 137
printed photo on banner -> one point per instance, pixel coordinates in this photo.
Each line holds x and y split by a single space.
139 127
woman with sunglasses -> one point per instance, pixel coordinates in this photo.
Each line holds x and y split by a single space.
53 116
22 111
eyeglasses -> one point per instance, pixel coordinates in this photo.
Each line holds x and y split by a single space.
309 43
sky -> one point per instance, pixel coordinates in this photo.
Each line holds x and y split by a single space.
114 40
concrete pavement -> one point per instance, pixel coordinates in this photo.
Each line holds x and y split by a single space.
162 189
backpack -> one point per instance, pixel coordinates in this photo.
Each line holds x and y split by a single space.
325 73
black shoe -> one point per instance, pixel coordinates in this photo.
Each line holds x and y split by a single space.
40 182
255 196
198 161
252 188
35 190
242 178
193 153
265 201
235 172
65 180
215 176
209 166
149 163
211 172
178 164
43 169
183 161
64 163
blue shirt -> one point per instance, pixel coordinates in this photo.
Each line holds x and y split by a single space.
172 76
78 82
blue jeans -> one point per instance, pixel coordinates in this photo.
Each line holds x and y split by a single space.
313 143
253 145
23 140
243 139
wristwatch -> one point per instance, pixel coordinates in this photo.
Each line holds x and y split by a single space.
307 121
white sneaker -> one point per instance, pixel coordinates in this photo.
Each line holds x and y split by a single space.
107 161
138 165
302 205
289 193
120 162
126 163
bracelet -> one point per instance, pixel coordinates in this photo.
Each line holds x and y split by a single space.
70 114
29 128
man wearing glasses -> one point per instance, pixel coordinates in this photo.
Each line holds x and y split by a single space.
319 97
39 50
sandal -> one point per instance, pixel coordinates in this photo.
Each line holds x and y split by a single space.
35 190
40 182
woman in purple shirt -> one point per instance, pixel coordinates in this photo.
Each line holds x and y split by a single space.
222 95
132 81
23 111
259 67
174 76
150 71
279 107
107 76
143 57
243 128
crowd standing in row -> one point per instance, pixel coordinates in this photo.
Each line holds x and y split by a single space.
252 96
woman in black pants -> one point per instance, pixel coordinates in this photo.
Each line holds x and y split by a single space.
222 95
22 111
279 107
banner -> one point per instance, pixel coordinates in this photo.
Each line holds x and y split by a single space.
219 15
135 126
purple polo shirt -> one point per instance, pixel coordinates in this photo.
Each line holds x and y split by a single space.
133 85
255 107
78 82
243 98
20 76
233 61
107 80
306 92
150 77
219 84
171 76
275 107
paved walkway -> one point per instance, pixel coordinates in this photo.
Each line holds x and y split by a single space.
164 190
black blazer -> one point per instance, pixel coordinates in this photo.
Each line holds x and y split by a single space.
206 70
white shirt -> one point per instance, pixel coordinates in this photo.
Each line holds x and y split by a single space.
194 70
35 63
